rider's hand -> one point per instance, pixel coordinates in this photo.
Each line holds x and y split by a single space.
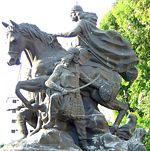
54 36
57 35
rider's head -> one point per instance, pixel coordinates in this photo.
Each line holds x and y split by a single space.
75 11
77 8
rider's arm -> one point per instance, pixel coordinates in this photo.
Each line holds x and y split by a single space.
76 31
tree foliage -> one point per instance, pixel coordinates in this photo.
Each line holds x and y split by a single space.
131 18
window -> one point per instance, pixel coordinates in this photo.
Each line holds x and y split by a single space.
14 101
13 121
13 111
12 131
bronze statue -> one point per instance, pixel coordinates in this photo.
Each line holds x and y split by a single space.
69 85
43 67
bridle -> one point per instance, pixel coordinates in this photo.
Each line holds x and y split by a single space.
12 52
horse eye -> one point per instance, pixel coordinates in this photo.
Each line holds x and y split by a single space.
14 41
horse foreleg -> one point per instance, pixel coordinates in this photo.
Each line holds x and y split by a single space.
34 85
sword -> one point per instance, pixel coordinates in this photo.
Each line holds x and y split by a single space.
76 89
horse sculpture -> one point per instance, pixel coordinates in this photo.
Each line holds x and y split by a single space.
43 52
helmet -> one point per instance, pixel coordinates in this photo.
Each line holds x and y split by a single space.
77 8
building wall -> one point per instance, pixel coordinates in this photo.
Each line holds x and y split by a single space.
11 126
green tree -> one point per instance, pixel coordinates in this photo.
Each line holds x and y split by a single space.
131 18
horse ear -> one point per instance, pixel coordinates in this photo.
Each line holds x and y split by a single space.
13 23
5 24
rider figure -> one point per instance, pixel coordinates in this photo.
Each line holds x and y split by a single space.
106 47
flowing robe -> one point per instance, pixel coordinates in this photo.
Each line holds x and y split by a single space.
107 46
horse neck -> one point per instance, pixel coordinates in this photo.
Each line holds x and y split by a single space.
41 51
36 49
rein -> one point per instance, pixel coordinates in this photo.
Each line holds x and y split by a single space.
28 57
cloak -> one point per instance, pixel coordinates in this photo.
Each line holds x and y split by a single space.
108 47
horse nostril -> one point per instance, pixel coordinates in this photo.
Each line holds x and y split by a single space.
8 63
11 62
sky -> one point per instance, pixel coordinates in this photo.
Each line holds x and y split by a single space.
51 16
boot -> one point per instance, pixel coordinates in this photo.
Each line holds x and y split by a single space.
49 124
84 146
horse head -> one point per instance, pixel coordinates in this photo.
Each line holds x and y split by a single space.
15 42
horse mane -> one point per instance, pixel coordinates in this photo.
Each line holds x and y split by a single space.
33 32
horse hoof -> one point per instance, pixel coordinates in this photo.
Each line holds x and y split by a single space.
48 125
113 129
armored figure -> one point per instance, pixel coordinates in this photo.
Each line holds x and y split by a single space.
67 101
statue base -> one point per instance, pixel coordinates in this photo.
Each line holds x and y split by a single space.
56 140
